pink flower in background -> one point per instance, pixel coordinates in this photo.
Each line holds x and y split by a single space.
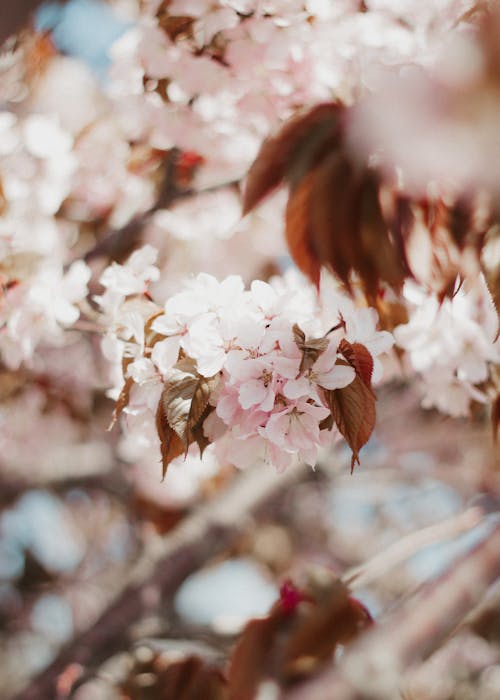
451 344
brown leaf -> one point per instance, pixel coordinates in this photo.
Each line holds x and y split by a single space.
252 659
185 397
334 618
300 634
381 257
297 230
121 401
491 268
294 148
171 446
327 423
390 314
359 357
182 409
460 221
311 349
353 409
175 26
197 432
12 382
189 678
334 214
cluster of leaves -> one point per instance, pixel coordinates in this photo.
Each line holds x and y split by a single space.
299 635
350 216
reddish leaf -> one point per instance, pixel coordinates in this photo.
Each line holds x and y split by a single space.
297 230
311 349
296 141
353 409
379 257
197 432
491 272
252 658
359 357
300 634
334 618
460 221
334 213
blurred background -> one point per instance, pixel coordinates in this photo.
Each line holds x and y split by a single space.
78 509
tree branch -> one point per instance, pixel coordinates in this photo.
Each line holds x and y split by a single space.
15 15
407 546
117 244
372 668
211 529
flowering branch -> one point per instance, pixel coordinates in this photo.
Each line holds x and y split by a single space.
117 244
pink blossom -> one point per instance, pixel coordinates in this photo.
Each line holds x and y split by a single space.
295 429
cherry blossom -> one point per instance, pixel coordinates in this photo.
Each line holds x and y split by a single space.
451 344
247 337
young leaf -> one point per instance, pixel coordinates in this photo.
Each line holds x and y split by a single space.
298 231
353 410
185 397
252 660
333 211
359 358
311 349
277 154
197 432
171 445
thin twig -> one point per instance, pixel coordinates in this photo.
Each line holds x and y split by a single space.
117 244
407 546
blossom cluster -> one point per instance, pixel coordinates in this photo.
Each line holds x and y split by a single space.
452 345
39 289
268 383
216 77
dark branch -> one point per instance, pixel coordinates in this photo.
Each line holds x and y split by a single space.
16 15
160 570
373 667
118 244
